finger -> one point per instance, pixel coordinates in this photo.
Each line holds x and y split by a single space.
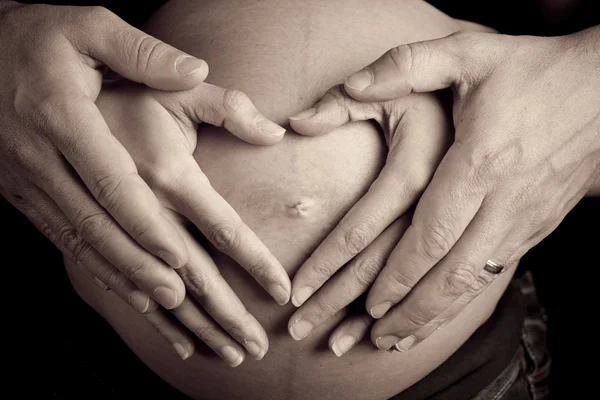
425 66
109 173
98 229
134 54
335 109
409 167
350 332
231 109
197 321
483 281
172 332
51 221
443 213
348 284
449 279
193 197
208 287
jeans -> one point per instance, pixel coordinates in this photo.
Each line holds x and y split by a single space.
526 377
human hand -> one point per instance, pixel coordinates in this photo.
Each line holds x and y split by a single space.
527 148
417 131
57 152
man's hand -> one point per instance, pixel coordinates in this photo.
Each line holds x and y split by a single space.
527 148
57 152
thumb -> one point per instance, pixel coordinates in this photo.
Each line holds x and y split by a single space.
139 57
418 67
334 109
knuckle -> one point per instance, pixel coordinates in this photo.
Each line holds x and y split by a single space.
225 236
234 100
459 279
198 283
495 164
205 333
148 52
338 96
236 327
20 154
436 241
89 17
328 306
108 189
478 286
50 110
324 269
71 243
260 269
356 238
111 277
365 271
418 318
95 228
402 58
136 271
401 282
164 177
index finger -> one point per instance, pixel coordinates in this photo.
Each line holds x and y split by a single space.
194 197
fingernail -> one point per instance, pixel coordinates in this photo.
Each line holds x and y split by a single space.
270 127
385 342
188 65
170 259
139 301
406 343
255 350
342 345
380 309
360 80
302 295
301 329
183 353
231 356
166 297
304 114
280 295
100 284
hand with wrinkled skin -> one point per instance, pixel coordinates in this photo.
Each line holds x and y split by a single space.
526 150
59 159
158 130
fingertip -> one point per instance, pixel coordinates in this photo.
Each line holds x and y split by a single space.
169 298
279 293
191 66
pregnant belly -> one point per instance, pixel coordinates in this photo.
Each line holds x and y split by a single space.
285 55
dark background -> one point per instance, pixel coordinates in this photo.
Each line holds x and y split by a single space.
565 264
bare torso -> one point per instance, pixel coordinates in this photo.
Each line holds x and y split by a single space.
285 55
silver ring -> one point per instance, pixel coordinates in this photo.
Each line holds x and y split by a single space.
493 268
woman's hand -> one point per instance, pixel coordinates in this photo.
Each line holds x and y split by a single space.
158 129
418 131
527 148
57 152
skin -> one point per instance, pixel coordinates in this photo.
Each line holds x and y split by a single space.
291 195
526 149
66 171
